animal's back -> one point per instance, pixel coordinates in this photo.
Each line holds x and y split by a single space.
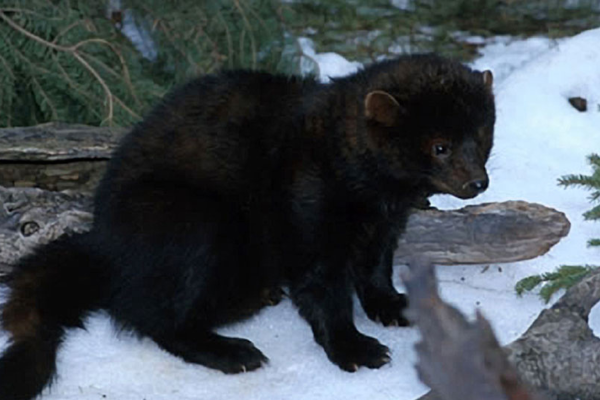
220 132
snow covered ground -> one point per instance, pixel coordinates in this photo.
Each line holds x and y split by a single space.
539 137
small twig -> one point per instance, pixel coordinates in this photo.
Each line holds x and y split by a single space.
251 32
229 39
129 110
73 85
102 83
174 43
64 31
124 76
7 67
30 35
77 45
43 92
26 59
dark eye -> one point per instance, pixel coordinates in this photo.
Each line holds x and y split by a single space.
441 150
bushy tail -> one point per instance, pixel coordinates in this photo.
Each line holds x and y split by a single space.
50 290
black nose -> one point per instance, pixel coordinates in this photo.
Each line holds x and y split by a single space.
478 185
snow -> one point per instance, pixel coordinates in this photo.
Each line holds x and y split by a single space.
406 5
326 65
539 137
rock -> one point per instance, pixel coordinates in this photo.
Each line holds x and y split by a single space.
579 103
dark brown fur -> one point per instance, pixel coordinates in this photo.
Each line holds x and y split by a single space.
242 182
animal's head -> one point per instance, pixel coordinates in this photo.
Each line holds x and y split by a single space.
433 120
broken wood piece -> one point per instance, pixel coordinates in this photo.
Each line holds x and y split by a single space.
486 233
558 355
458 359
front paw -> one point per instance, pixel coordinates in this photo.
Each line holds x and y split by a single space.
353 350
387 309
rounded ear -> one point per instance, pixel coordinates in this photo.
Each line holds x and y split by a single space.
488 79
382 107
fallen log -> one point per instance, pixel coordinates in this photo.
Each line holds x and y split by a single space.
487 233
460 360
559 354
56 156
30 217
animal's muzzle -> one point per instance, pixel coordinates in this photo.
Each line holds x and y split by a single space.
476 186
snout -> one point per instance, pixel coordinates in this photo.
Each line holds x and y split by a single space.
477 186
473 188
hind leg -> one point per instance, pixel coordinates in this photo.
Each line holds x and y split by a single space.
229 355
187 264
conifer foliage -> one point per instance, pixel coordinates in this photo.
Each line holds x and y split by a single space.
71 60
592 183
567 275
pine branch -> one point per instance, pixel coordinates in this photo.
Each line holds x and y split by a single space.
107 91
73 50
590 182
567 275
47 99
528 284
249 28
7 67
67 61
563 278
587 182
592 214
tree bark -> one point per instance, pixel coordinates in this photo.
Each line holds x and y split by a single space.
30 217
56 156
